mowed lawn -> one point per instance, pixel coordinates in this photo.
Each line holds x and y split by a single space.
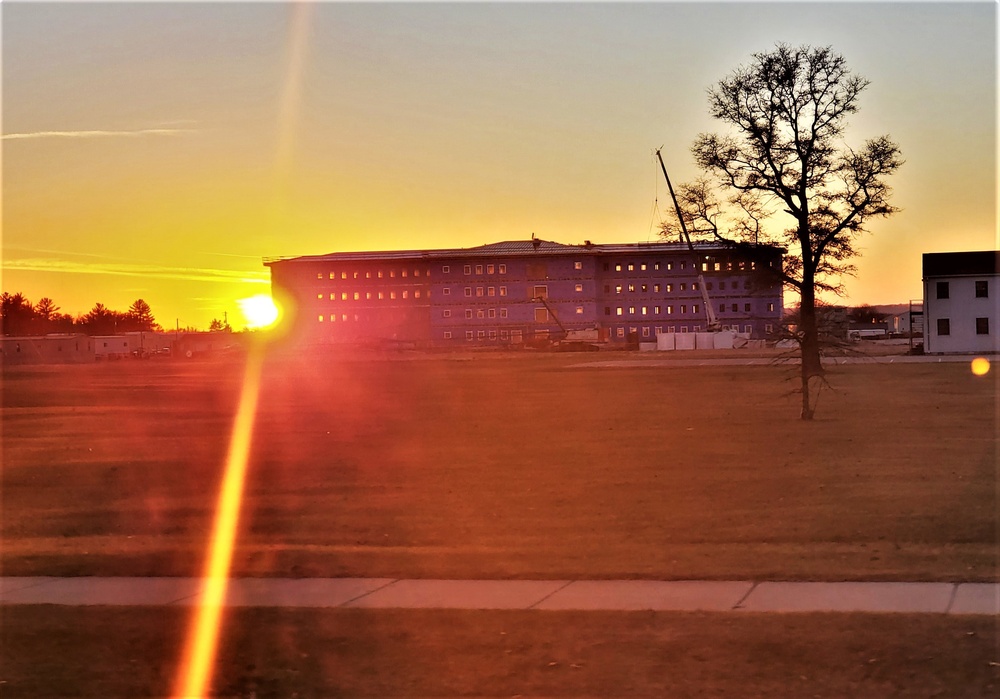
519 466
108 652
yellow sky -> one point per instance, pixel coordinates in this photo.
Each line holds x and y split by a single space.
159 151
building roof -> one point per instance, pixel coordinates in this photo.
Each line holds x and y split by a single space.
509 248
952 264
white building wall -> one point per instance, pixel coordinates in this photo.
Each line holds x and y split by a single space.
961 309
110 346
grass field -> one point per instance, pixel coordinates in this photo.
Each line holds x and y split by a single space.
64 651
505 467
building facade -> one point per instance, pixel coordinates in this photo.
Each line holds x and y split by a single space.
48 349
961 309
521 291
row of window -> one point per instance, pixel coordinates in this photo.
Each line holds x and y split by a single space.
708 266
728 266
669 288
480 291
982 289
490 292
540 292
622 267
479 313
656 310
484 269
368 274
683 329
375 295
644 310
502 334
944 326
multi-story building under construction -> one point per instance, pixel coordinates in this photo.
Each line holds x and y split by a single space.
519 291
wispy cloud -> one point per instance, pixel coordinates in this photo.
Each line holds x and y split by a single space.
198 274
93 134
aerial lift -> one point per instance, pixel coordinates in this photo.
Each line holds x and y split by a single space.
712 321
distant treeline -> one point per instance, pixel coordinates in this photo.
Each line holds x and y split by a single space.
19 317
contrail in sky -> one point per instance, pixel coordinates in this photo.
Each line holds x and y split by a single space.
92 134
137 270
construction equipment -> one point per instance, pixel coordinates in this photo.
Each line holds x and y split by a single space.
712 321
571 340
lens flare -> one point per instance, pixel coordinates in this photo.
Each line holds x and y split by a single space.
199 651
980 366
260 311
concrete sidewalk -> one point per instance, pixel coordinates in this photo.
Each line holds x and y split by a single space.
623 595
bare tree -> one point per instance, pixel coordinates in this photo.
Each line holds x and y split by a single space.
783 156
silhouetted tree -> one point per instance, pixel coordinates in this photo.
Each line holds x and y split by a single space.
219 326
46 308
866 314
101 320
787 111
140 317
16 314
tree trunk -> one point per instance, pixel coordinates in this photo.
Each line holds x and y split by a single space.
809 348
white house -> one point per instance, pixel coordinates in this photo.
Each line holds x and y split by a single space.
961 302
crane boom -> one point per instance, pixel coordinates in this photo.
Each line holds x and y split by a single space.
711 321
541 300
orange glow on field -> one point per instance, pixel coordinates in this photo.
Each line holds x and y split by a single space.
199 651
980 366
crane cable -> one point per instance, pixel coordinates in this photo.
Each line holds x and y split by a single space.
655 214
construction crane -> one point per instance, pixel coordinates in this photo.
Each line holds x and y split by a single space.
571 339
541 300
712 321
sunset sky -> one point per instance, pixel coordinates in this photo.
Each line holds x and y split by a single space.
159 151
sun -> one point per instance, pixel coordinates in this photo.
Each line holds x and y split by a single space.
260 311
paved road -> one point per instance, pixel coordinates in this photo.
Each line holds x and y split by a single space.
386 593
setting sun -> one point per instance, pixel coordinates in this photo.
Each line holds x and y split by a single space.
260 311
